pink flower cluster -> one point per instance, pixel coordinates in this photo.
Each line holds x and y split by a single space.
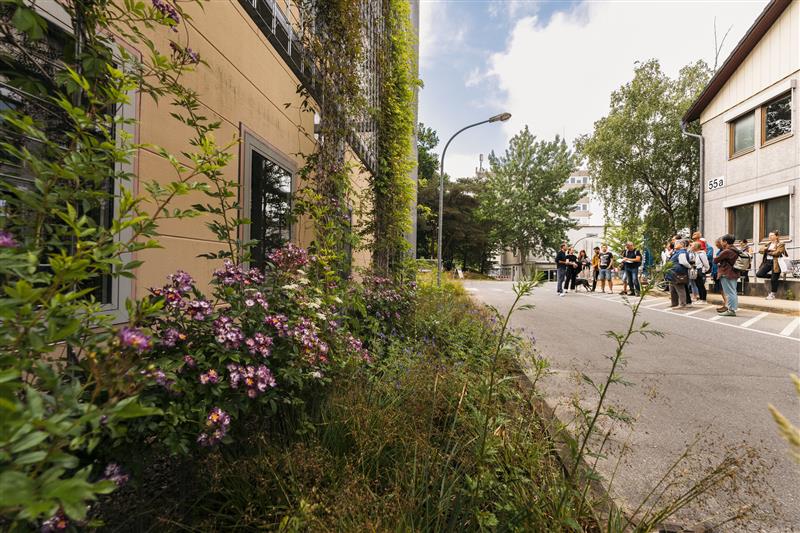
171 337
233 274
7 240
158 375
290 258
255 379
227 333
279 322
217 424
114 473
134 338
199 310
255 297
259 344
357 347
305 332
211 377
181 281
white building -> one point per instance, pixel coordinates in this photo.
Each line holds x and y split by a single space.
588 213
748 115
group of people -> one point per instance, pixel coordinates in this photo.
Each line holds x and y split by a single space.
603 265
691 261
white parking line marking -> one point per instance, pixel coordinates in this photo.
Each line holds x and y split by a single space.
690 313
659 304
789 329
472 289
754 320
714 319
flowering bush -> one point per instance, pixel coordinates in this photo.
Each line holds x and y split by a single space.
261 339
381 307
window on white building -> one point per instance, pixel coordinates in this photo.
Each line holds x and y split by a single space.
776 118
742 134
740 221
775 216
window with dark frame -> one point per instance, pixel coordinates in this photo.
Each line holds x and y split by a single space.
776 118
22 88
740 221
742 134
270 205
774 216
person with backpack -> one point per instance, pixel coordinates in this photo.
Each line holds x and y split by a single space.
770 269
678 276
701 267
726 261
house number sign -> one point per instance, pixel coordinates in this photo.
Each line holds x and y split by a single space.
716 183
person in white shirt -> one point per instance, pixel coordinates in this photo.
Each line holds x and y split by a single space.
702 267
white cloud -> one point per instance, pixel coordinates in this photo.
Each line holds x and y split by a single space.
439 31
558 77
512 8
462 165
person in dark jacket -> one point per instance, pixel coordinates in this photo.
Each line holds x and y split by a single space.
561 269
572 269
727 274
678 276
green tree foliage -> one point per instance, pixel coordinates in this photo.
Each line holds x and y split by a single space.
523 198
467 237
427 190
641 162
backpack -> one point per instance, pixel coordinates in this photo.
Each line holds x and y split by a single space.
742 264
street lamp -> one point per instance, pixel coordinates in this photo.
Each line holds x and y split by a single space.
587 236
502 117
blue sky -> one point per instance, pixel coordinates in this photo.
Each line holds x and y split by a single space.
552 64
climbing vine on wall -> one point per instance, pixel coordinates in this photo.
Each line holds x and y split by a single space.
392 188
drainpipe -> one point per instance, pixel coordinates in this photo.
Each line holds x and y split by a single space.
701 210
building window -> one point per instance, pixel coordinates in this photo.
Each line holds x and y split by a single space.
776 119
742 134
580 207
268 193
740 221
775 216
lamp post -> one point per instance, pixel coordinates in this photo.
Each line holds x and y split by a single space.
502 117
587 236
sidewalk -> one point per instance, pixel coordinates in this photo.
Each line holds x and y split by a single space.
758 303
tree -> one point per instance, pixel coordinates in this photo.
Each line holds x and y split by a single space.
523 197
428 190
643 166
467 237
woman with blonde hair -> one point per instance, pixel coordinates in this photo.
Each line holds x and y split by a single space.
770 266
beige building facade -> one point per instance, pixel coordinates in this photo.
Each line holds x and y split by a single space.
250 86
748 114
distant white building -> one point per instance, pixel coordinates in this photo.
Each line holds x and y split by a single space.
588 213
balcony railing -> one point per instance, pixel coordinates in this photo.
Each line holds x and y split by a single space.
279 29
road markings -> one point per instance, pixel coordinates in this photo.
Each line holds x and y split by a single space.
473 289
789 329
659 304
754 320
718 317
690 313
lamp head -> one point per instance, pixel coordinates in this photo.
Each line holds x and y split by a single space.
502 117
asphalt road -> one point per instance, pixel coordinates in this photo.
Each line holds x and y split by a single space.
707 378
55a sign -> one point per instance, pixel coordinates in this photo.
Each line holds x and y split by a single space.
716 183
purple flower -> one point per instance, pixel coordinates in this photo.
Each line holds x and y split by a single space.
209 377
7 240
189 361
181 281
193 56
159 377
171 337
217 424
280 323
305 332
227 333
290 258
259 344
167 10
233 274
114 473
57 522
255 380
199 310
134 338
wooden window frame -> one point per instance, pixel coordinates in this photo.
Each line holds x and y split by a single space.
732 135
763 111
763 231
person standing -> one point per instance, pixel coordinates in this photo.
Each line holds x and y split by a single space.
728 275
678 276
702 266
770 265
561 269
572 269
631 261
595 267
606 265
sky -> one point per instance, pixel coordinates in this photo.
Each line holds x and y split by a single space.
552 64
